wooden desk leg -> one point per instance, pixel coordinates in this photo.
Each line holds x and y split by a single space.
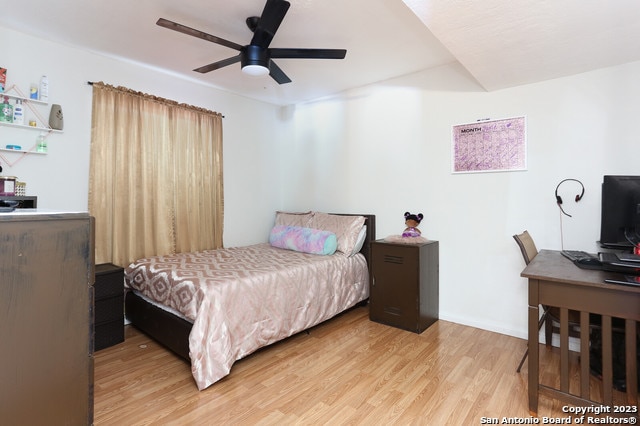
631 366
534 355
607 361
585 374
564 350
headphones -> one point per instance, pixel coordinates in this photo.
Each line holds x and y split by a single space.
559 198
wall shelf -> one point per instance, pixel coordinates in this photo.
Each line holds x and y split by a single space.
22 151
22 98
26 126
42 125
32 105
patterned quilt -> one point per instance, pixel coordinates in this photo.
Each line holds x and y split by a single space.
243 298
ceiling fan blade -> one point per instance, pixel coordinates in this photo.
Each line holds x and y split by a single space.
308 53
219 64
271 18
196 33
277 74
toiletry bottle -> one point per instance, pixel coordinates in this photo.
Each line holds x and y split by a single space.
18 112
41 143
44 89
6 111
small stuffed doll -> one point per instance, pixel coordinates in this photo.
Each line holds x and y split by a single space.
412 221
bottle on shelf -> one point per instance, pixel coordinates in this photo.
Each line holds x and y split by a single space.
41 143
18 112
44 89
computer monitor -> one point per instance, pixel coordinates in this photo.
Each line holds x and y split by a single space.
620 220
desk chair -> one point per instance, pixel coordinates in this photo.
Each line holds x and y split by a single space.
550 315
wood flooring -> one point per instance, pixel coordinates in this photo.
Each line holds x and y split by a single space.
346 371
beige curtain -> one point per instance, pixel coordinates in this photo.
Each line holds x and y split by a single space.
155 176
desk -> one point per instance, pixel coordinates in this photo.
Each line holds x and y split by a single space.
556 281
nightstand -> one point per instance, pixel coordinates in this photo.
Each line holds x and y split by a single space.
405 285
109 305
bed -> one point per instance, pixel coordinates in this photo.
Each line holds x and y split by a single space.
215 307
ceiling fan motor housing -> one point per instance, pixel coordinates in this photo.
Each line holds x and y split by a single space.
254 55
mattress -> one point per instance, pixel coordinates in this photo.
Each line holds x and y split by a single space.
243 298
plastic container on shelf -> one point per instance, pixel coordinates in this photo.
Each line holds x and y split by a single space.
41 143
18 112
44 89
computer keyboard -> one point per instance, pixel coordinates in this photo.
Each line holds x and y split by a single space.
575 255
582 259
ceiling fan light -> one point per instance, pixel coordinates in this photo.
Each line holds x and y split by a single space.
255 70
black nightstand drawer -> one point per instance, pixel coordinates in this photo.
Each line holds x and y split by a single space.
109 334
109 310
109 281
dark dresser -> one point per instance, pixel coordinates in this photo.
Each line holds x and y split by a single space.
405 285
109 305
46 301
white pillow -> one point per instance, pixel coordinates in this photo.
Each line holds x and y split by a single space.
360 241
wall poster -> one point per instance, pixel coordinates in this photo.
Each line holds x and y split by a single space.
489 146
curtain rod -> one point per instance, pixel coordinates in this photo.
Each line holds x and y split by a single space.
90 83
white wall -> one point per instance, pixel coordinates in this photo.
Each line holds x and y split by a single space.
381 149
60 179
386 149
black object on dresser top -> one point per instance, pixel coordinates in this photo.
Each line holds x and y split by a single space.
24 201
109 305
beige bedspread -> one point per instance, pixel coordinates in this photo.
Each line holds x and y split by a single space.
241 299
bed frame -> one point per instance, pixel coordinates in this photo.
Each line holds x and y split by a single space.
173 332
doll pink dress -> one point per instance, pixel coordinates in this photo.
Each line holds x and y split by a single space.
410 232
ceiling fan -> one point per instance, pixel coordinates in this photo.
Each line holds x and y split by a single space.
256 58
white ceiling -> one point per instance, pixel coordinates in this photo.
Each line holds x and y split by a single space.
502 43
